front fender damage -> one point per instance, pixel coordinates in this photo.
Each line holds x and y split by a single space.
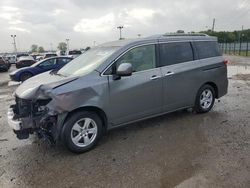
40 112
50 107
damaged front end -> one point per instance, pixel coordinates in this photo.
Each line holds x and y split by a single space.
28 116
34 111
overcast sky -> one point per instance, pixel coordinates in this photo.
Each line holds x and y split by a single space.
44 22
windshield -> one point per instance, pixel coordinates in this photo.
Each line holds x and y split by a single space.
87 62
38 62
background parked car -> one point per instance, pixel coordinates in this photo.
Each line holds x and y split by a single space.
4 65
60 52
74 53
11 59
47 55
39 67
25 62
21 55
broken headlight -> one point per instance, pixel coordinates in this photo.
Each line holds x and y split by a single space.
40 105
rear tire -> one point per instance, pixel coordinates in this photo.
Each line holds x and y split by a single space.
81 131
205 99
25 76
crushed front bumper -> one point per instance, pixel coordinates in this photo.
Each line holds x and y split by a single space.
13 123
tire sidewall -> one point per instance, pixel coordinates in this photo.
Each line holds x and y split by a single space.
66 131
198 107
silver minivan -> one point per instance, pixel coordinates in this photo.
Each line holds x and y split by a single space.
118 83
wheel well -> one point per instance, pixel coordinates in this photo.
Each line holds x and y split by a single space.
25 73
94 109
215 88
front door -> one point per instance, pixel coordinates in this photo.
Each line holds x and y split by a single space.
139 95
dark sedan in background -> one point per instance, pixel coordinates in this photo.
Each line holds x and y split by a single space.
4 65
25 62
39 67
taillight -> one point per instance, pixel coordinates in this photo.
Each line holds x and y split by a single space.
226 62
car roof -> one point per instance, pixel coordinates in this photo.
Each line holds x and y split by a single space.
23 58
161 37
55 57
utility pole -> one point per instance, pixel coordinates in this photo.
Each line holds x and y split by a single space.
67 40
120 28
51 47
14 43
213 25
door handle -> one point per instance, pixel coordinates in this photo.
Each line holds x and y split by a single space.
169 73
154 77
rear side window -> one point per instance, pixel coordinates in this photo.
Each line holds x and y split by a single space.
173 53
207 49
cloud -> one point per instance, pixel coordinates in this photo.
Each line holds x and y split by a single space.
96 25
10 13
105 23
57 12
44 22
19 29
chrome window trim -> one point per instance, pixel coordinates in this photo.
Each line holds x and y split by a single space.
155 43
146 44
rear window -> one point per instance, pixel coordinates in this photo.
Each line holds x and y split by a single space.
173 53
207 49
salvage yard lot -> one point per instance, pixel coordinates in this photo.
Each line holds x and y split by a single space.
180 149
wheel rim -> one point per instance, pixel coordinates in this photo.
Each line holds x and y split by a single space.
206 99
84 132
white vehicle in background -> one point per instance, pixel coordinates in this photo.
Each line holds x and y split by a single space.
21 55
39 57
11 59
60 53
49 54
73 53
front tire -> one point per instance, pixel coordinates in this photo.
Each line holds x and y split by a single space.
81 131
205 99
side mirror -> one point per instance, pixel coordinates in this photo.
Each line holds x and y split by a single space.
124 69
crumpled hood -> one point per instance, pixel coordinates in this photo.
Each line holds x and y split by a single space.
41 84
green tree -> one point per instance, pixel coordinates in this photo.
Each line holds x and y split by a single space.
34 48
62 46
230 36
40 49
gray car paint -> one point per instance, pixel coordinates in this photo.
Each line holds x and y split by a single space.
131 98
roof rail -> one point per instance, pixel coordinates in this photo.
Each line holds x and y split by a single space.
184 34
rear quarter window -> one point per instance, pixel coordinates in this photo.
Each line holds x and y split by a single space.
207 49
174 53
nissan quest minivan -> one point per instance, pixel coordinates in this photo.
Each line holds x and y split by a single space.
118 83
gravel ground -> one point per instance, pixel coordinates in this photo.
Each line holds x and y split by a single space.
180 149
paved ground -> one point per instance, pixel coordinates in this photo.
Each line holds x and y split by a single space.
181 149
4 76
